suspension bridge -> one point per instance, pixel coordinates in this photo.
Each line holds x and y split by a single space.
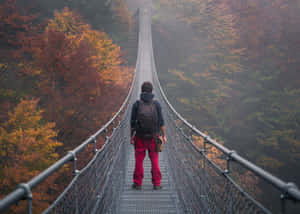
198 176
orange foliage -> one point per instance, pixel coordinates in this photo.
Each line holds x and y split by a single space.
68 22
105 55
212 152
27 146
77 68
75 71
16 28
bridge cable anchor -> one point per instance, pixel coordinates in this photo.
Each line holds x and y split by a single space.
28 196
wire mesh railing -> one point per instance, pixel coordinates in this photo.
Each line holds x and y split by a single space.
201 169
97 187
88 189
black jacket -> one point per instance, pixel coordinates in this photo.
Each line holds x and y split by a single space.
146 97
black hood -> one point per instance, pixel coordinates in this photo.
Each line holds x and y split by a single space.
146 97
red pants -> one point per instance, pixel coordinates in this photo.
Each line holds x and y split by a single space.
141 145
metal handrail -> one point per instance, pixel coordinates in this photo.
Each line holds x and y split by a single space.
23 191
288 189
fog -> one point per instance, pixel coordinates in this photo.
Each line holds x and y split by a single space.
232 69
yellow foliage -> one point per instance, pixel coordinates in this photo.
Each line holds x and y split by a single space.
68 22
123 76
105 56
181 76
27 144
24 115
212 153
26 141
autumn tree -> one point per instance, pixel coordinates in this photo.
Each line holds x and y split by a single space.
76 72
241 74
27 146
77 68
15 28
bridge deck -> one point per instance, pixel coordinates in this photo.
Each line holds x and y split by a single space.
148 200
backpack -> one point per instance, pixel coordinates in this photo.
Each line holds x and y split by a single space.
147 119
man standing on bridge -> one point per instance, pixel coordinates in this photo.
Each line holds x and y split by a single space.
146 123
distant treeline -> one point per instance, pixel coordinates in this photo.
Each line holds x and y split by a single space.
236 75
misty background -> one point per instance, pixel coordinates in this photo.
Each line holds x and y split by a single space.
231 68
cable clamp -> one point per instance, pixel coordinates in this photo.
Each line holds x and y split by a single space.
288 186
206 138
73 155
232 152
26 188
93 138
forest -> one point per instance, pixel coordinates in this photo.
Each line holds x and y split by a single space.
65 68
236 75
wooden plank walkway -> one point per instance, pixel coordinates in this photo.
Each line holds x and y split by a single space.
147 200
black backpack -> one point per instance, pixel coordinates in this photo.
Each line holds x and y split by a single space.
146 119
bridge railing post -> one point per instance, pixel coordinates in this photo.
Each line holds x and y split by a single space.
75 172
226 172
204 189
28 196
228 159
95 145
106 134
282 198
113 125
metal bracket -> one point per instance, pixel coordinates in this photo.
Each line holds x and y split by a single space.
228 159
73 155
289 185
283 197
75 171
106 137
113 124
27 190
231 153
204 143
206 138
93 138
28 196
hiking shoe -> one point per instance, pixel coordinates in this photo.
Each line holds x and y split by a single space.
157 187
135 186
